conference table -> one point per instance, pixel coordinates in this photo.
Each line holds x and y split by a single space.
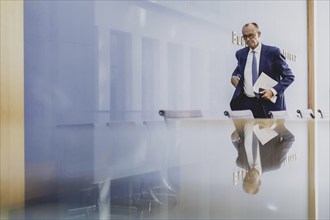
190 169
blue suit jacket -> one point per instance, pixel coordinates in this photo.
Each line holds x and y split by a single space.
272 63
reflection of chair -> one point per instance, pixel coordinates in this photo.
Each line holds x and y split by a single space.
88 206
140 183
173 116
278 114
305 114
148 187
122 153
75 145
158 184
239 114
166 192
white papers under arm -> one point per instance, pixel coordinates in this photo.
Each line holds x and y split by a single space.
265 134
265 82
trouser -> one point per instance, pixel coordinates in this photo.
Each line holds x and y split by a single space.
254 104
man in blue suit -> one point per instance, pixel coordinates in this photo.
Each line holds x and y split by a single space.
253 60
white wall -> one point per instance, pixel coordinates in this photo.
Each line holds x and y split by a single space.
194 72
132 58
89 62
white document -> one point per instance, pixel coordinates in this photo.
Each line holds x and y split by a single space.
265 134
265 82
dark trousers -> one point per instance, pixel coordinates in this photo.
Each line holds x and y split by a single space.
254 104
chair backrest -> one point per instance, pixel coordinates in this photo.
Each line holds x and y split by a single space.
121 124
323 114
178 114
124 131
305 114
239 114
151 124
279 114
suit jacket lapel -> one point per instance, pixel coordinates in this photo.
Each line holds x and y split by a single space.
244 59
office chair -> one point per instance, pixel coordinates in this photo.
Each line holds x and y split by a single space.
121 124
152 187
88 206
156 133
179 114
305 114
171 117
279 114
237 114
166 185
127 193
323 114
74 144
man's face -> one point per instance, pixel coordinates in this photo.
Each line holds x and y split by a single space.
251 182
251 36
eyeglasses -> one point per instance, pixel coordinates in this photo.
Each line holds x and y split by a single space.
250 36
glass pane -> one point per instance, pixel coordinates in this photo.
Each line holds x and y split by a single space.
96 75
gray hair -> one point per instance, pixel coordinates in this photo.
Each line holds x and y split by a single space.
251 23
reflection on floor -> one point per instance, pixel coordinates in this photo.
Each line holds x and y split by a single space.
196 171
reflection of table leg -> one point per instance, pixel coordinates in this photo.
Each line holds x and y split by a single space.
311 170
104 199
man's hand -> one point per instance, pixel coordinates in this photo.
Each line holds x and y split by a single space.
267 94
234 81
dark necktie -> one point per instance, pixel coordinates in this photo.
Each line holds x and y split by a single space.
254 67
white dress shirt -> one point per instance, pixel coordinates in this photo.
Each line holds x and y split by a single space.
248 87
248 71
248 140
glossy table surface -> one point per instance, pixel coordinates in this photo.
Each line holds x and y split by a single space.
183 169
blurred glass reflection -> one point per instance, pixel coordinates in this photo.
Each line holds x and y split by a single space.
190 170
262 146
96 74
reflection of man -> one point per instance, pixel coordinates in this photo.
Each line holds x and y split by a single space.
262 146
